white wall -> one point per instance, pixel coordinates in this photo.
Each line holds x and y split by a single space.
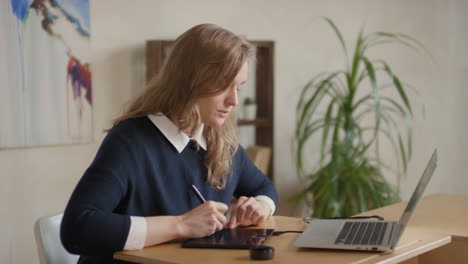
38 181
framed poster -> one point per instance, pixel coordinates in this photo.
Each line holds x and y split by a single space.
45 79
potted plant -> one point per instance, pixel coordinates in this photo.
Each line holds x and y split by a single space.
250 109
352 120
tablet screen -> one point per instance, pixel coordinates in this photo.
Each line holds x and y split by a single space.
230 238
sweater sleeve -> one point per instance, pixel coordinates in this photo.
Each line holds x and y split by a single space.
252 182
90 225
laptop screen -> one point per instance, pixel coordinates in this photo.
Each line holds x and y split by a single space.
418 192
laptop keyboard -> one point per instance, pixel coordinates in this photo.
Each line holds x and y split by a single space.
362 233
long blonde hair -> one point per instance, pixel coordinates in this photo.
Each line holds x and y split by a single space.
204 62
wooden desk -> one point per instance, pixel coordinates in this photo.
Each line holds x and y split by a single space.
438 228
437 214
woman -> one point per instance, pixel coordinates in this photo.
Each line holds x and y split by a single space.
180 131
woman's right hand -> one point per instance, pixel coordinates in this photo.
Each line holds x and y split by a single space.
203 220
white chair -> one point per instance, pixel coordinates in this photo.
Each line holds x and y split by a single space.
49 246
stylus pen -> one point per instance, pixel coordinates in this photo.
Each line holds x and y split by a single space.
198 194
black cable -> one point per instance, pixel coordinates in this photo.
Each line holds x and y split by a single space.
307 219
277 233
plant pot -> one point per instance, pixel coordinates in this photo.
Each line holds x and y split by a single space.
250 111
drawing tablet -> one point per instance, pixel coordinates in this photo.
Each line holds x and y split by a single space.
231 238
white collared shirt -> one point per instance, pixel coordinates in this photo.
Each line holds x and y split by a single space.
177 138
138 227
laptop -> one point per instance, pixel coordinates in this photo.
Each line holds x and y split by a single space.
364 235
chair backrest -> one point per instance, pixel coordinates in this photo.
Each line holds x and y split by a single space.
49 246
260 156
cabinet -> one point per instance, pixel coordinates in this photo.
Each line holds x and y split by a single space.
157 50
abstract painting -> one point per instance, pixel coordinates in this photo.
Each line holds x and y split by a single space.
45 79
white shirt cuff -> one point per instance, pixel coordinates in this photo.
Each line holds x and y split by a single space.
137 234
269 202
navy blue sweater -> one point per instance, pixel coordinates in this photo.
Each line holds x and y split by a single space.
138 172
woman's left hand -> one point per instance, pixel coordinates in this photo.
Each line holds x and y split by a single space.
248 211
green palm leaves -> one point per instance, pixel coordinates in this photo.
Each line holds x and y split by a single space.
352 119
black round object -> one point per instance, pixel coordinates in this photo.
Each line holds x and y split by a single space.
261 252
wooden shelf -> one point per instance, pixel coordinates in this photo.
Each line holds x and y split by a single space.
264 122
